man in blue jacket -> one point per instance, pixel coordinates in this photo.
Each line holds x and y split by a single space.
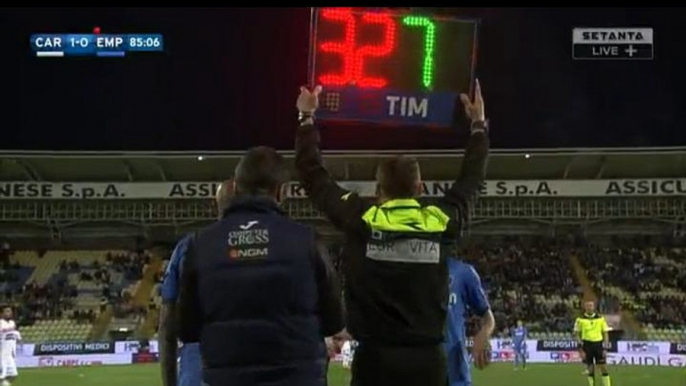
257 291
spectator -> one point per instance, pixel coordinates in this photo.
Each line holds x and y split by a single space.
5 252
104 302
90 316
106 292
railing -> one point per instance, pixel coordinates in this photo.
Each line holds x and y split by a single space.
175 211
580 210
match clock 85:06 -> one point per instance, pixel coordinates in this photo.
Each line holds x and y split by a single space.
145 41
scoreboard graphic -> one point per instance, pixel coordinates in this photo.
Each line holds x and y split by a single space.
391 68
95 44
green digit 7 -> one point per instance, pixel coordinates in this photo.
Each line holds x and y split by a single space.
429 42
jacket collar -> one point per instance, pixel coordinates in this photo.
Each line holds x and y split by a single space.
401 203
250 203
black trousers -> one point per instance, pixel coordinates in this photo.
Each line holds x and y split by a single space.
380 365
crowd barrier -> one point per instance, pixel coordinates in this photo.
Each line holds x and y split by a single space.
635 353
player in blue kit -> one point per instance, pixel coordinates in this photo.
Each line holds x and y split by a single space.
190 361
519 336
466 295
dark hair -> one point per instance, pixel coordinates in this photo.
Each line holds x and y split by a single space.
397 177
4 307
260 171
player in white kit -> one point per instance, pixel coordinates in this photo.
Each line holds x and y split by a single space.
346 353
9 336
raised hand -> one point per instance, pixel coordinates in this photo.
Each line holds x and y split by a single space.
308 101
475 110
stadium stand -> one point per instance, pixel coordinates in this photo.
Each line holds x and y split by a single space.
59 294
533 283
522 247
651 282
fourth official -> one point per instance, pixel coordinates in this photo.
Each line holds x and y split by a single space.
592 329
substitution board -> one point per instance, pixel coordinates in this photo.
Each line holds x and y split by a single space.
390 67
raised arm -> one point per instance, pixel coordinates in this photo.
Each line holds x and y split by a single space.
473 169
343 208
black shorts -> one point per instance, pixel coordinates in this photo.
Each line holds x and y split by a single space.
594 353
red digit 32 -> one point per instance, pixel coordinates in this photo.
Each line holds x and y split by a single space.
354 57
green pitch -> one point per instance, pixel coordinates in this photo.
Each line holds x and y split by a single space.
495 375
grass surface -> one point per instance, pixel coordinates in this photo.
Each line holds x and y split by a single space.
500 374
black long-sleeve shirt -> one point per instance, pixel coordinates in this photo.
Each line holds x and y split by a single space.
390 302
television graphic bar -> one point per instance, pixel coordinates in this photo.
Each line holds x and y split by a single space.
95 44
111 54
50 54
612 43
